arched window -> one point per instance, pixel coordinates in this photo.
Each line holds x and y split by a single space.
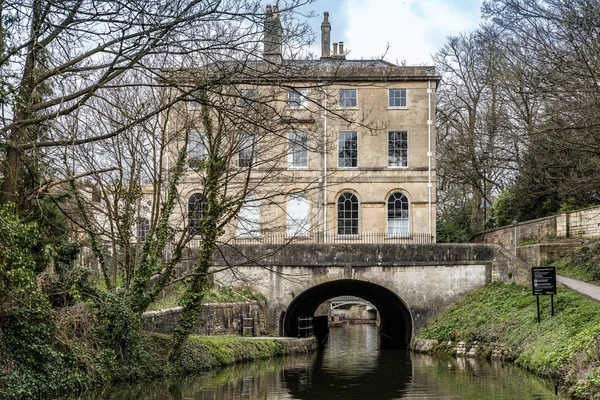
196 206
249 217
398 214
298 219
347 214
143 227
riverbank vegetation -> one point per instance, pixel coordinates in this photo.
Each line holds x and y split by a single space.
564 348
582 263
76 360
90 171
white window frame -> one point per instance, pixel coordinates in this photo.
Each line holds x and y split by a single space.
402 228
337 217
297 98
297 150
391 162
340 134
394 99
298 225
248 218
248 146
196 147
195 213
345 98
143 229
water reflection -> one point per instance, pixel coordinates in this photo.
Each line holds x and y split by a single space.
351 366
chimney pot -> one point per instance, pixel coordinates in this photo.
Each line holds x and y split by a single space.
341 48
273 32
335 49
325 36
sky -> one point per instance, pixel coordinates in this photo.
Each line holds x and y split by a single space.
413 29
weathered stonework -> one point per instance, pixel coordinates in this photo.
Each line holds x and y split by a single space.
498 351
561 234
543 253
582 224
216 319
425 279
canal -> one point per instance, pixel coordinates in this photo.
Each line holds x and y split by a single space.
350 365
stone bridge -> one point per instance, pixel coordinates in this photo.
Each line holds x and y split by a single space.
409 284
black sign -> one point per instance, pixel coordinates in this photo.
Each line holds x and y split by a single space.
543 280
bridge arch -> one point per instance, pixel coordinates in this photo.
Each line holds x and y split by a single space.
395 318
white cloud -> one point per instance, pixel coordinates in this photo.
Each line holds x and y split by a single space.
414 29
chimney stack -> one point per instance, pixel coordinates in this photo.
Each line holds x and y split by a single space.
325 36
273 32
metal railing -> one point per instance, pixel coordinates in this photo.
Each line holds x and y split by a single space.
369 237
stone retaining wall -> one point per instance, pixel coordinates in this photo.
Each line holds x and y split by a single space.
215 319
544 253
582 224
462 349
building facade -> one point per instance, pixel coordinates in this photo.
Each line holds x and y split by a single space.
319 150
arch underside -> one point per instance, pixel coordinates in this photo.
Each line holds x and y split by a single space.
395 319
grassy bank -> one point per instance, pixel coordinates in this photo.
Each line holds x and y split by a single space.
582 264
85 369
565 348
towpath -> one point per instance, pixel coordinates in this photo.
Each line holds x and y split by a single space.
586 289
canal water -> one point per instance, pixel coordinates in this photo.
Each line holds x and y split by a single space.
351 365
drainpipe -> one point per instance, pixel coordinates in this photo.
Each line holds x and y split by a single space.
324 166
429 155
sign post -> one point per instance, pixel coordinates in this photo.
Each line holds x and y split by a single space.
543 283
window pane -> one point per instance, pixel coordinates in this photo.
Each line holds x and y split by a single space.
347 150
398 149
347 98
298 149
297 97
196 148
249 217
142 229
196 206
397 98
348 214
298 223
398 214
247 150
248 97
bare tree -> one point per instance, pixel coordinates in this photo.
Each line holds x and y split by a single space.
58 55
197 148
559 39
475 150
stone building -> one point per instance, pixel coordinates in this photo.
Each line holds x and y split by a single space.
325 149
